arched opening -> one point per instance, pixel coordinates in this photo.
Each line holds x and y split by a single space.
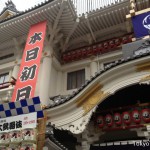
129 99
128 96
135 96
66 139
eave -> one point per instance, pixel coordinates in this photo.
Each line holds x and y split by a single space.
73 113
19 24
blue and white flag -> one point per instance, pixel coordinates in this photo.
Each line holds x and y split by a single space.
21 107
141 24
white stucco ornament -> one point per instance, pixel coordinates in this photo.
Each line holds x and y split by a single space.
146 22
79 125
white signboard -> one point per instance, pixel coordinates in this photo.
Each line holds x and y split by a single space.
18 122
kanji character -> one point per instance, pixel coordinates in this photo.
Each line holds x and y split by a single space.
12 125
18 124
32 54
28 73
5 126
35 37
23 93
1 128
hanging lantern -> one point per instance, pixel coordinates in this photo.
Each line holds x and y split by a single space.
65 57
100 48
124 40
130 38
69 57
109 120
95 49
100 121
146 115
84 52
89 51
111 44
78 54
126 118
117 119
136 116
73 55
105 45
117 42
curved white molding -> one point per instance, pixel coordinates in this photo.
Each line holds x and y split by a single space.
79 125
70 116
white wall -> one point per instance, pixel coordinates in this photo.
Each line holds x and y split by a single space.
84 64
38 81
53 82
58 75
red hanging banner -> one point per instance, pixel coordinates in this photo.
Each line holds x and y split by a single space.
27 77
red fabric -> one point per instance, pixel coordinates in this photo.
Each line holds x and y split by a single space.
37 28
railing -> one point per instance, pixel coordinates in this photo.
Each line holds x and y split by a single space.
83 6
6 84
96 49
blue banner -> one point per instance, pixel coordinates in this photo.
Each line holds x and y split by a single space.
21 107
141 24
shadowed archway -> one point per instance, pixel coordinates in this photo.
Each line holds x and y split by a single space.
128 96
125 98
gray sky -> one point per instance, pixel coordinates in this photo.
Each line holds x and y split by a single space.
81 5
21 4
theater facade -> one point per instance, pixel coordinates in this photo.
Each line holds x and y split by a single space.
84 79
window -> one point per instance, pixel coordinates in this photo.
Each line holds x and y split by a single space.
6 56
4 78
75 79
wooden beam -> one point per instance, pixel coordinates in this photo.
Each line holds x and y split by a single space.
70 33
41 132
57 19
18 46
138 13
89 26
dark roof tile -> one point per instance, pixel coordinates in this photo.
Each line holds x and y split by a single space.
119 62
26 11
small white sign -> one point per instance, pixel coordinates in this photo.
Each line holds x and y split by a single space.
18 122
148 127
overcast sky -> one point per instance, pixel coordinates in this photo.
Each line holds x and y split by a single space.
81 5
21 4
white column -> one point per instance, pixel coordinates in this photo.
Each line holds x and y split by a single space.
93 68
45 80
87 72
101 67
59 82
85 144
15 71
